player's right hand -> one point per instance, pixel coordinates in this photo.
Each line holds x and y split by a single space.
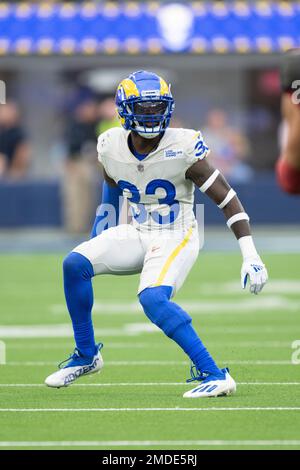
254 270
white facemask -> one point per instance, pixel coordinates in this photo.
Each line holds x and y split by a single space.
150 133
155 131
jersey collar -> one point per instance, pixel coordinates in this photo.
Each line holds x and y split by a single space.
142 156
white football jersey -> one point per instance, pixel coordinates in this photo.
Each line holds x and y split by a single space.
156 188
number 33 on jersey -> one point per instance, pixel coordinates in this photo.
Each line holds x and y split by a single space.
156 188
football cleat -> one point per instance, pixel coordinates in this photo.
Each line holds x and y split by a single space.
76 366
212 385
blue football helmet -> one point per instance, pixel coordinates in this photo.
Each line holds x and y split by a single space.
144 104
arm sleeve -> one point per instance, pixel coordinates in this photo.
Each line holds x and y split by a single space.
109 210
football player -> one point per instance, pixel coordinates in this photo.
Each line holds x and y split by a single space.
288 165
155 168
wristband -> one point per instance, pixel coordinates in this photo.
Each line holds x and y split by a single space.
247 247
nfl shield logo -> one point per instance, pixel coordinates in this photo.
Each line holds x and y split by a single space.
140 167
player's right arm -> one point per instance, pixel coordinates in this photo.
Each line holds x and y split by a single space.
108 211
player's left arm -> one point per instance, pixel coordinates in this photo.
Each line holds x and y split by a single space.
211 182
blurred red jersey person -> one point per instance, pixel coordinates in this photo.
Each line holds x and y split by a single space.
288 165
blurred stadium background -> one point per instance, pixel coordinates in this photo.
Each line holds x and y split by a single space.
59 65
61 62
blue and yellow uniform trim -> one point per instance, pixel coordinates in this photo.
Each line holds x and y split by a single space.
172 257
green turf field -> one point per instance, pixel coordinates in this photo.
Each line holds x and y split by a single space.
136 401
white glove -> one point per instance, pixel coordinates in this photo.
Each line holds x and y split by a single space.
255 270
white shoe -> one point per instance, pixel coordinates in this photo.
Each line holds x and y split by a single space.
213 386
77 366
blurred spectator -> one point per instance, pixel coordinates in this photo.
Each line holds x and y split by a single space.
14 147
79 184
2 164
230 148
108 115
176 122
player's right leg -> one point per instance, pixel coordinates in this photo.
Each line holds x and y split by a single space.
117 250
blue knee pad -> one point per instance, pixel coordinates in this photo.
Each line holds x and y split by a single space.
77 266
165 314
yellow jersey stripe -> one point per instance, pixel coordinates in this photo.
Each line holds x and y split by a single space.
172 256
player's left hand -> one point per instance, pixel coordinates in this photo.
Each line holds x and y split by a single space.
254 270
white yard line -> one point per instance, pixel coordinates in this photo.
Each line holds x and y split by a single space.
149 384
19 344
65 331
197 307
108 444
79 410
69 346
60 330
258 362
109 363
154 363
251 329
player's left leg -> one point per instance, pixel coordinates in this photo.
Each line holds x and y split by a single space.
166 266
